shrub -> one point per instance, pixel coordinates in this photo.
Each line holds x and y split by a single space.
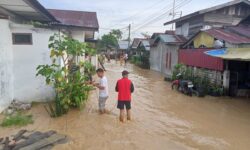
69 79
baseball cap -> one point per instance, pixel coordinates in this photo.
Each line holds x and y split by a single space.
125 72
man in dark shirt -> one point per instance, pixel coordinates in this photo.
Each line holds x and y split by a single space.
124 87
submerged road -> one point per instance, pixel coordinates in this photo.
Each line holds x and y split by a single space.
162 119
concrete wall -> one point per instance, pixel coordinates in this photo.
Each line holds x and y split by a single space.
159 61
155 58
6 72
171 51
78 35
28 87
215 77
18 64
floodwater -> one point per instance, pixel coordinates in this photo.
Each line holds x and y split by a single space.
162 119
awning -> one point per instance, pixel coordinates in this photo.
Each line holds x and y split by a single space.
242 54
27 9
216 52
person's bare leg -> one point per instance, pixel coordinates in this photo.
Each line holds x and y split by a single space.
122 115
129 114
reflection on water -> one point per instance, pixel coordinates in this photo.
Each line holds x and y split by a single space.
162 119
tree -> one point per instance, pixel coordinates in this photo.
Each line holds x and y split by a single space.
110 40
117 33
69 81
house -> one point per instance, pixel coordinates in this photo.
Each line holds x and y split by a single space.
228 14
223 54
26 27
164 52
134 45
142 52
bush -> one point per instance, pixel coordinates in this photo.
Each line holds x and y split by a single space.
201 84
179 68
69 80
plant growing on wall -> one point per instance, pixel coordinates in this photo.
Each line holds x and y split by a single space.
67 74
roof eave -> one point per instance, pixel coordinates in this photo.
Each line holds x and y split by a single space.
78 27
37 6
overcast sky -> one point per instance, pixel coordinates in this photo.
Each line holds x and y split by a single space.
146 16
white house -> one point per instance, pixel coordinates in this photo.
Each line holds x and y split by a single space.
24 45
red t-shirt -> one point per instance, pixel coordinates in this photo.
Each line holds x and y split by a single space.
124 87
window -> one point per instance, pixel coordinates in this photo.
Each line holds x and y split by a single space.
22 38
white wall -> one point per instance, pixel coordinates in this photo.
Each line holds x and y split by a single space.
28 87
18 64
78 35
6 78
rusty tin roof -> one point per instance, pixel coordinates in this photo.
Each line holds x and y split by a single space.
76 18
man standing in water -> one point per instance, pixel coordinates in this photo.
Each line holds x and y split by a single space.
124 87
103 90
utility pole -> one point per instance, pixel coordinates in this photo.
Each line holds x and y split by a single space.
173 13
129 37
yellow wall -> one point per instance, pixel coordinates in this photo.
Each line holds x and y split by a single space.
203 39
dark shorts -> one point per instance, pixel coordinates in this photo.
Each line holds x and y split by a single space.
123 104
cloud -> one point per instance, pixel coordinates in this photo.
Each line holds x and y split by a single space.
120 13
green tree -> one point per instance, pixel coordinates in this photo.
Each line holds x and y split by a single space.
117 33
68 79
110 40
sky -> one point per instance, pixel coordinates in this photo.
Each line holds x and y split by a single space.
145 16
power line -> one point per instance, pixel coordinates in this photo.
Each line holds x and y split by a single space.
145 10
139 12
156 13
158 17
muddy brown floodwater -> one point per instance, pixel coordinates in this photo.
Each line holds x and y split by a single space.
162 119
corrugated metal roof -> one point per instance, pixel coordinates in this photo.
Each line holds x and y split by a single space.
237 54
198 58
123 45
230 37
26 9
241 30
234 2
167 38
76 18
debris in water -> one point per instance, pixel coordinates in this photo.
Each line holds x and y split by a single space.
30 140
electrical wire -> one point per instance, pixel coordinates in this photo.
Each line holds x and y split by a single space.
158 17
169 9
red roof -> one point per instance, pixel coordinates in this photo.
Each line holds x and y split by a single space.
230 37
76 18
241 30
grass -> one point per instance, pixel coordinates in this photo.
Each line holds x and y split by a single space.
17 120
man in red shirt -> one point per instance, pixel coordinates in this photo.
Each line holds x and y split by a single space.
124 87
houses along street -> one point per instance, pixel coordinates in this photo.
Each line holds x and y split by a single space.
162 119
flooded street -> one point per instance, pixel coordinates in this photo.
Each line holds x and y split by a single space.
162 119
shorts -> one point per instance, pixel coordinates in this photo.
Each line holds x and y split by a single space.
123 104
102 102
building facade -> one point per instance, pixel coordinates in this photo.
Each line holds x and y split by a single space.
24 46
